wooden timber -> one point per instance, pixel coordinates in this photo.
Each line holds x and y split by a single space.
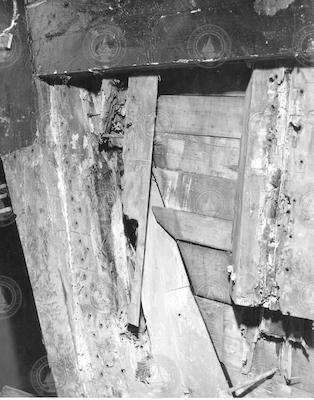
201 115
82 35
138 147
189 227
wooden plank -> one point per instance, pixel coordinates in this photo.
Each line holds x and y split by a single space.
137 155
295 274
207 271
8 391
262 154
219 116
194 228
177 332
200 194
81 35
70 219
197 154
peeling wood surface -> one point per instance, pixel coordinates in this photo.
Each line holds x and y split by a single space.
197 154
138 147
177 330
201 115
200 194
80 35
17 96
207 270
189 227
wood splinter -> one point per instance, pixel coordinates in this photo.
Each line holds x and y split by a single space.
252 382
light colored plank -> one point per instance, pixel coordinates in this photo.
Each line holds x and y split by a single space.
8 391
220 116
200 194
189 227
180 342
197 154
137 155
207 271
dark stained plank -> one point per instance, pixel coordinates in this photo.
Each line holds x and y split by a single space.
197 154
219 116
189 227
137 155
207 271
79 35
200 194
17 94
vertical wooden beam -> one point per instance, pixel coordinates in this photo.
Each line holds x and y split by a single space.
141 114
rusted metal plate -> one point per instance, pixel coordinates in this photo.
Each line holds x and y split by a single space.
81 35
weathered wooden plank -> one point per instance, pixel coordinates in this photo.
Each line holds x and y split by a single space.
17 95
8 391
137 154
179 338
207 271
295 274
81 35
197 154
70 219
219 116
200 194
260 176
189 227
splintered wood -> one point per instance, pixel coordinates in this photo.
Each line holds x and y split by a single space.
138 147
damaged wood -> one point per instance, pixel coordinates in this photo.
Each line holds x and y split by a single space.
141 109
75 36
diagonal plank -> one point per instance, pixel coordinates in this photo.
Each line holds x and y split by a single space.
140 113
194 228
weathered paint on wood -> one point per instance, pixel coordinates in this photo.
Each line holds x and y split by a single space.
219 116
197 154
17 94
79 35
70 219
200 194
207 270
179 337
137 154
189 227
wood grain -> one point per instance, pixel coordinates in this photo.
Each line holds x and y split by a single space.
194 228
137 155
200 194
219 116
197 154
207 271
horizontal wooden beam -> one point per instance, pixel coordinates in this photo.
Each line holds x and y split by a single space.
81 35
